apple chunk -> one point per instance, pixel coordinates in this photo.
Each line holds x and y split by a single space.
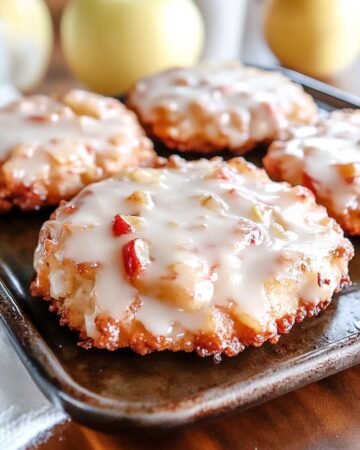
187 285
136 256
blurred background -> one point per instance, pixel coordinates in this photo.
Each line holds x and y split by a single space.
49 45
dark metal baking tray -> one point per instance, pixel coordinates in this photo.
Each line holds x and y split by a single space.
112 390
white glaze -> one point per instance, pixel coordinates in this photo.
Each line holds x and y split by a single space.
222 100
180 229
321 149
37 132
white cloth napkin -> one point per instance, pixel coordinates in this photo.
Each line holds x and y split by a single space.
25 413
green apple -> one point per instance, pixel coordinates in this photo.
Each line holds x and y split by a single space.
26 41
317 37
110 44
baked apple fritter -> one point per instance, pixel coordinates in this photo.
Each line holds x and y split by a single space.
206 256
326 159
50 149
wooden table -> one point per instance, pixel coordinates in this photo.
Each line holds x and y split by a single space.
323 415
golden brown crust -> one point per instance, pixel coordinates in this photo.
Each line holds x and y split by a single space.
34 196
116 334
201 145
232 337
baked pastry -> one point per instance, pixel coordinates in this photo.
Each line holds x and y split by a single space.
325 158
50 149
206 256
215 106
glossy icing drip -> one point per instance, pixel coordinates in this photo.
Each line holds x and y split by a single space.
221 100
216 236
330 155
39 131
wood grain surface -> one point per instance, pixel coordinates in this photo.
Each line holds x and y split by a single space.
324 415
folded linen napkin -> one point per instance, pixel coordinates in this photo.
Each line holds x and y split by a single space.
25 413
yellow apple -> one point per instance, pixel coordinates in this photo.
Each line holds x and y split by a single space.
110 44
317 37
26 35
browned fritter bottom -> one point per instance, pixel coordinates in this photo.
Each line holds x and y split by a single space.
199 144
196 144
349 220
115 334
28 198
40 194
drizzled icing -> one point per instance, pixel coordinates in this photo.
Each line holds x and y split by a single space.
329 153
214 240
79 131
227 103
